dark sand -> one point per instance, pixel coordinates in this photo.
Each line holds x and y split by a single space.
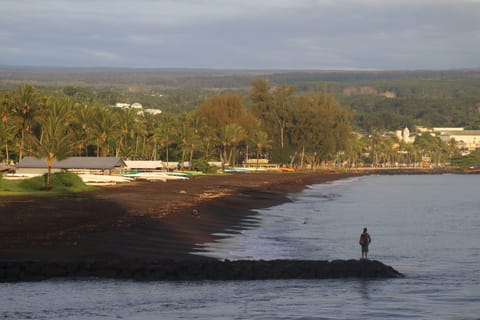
141 221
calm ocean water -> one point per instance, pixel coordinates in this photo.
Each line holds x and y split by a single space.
426 226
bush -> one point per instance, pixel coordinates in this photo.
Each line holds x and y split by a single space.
59 182
201 165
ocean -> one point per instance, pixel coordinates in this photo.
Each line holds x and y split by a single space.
425 226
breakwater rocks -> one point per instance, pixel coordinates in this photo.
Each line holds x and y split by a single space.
196 270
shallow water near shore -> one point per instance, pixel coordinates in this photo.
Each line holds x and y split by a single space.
425 226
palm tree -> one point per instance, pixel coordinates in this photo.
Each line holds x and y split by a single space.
8 127
105 128
374 140
152 133
261 141
83 118
206 135
229 136
186 137
165 133
24 98
54 141
354 149
127 121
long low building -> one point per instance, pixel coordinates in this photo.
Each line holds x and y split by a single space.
98 165
467 140
154 165
145 165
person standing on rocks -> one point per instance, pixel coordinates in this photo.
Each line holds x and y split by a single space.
364 241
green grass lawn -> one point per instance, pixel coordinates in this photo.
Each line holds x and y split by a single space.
60 183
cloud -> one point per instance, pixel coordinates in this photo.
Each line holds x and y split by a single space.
303 34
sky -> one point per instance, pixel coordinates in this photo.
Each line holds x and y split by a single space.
242 34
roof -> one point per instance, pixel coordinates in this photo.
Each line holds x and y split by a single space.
462 133
74 163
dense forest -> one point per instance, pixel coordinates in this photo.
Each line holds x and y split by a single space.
386 100
312 119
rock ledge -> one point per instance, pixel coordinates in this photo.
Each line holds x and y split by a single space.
12 271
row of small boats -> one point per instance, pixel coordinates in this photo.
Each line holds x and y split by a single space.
103 179
162 176
134 176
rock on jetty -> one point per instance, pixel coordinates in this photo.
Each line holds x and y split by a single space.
196 270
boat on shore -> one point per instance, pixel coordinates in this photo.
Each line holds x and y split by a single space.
20 176
100 179
156 176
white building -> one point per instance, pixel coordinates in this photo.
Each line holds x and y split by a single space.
123 105
440 130
467 140
404 135
139 165
153 111
136 105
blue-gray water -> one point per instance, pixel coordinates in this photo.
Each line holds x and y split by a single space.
426 226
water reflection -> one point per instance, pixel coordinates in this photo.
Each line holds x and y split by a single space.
363 289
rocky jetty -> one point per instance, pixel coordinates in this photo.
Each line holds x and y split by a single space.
191 270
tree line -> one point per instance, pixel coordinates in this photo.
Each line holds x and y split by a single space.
279 123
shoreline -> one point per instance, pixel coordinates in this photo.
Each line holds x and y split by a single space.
146 221
143 221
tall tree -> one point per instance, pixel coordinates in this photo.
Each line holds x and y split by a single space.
262 141
105 128
189 138
273 106
128 128
82 119
53 142
25 98
8 126
282 109
221 110
319 127
229 137
166 133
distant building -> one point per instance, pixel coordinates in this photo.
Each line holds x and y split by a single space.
260 163
144 165
136 105
99 165
421 129
466 140
446 129
404 135
123 105
153 111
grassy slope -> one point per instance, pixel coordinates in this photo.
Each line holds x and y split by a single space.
60 183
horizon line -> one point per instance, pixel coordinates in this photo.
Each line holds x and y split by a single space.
237 69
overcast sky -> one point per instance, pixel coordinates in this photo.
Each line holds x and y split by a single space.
242 34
